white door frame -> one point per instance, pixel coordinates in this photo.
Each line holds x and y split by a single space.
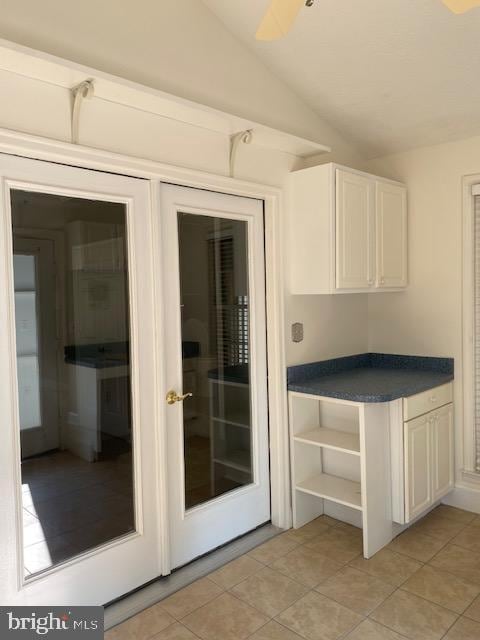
30 146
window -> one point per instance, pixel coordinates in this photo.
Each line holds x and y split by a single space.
228 311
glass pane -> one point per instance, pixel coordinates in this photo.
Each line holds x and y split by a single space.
26 326
216 355
73 363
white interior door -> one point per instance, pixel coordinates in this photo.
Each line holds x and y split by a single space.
79 522
218 466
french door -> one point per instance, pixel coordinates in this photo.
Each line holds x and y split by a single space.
79 372
77 394
217 411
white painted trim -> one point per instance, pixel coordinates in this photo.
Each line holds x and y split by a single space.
60 72
36 147
334 166
468 309
464 498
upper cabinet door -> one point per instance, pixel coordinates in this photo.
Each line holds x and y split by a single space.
355 235
391 242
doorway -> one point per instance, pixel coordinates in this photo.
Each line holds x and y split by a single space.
81 479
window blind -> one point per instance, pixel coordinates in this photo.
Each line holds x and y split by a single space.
228 311
477 326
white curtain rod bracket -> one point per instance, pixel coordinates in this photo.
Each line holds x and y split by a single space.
83 91
242 136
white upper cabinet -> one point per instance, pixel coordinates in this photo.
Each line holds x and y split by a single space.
355 235
391 235
347 231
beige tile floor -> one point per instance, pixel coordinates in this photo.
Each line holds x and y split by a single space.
313 584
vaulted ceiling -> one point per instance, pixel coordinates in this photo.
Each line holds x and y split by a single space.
388 74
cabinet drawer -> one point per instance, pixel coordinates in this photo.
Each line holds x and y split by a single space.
427 401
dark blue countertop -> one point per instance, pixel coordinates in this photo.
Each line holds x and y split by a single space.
113 354
98 356
370 377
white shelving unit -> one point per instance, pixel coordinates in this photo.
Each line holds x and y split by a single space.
230 431
340 458
331 439
333 488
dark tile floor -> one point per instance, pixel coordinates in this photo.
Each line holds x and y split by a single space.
71 506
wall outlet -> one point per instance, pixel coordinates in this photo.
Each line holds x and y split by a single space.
297 332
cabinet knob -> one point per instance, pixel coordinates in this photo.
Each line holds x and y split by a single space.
433 399
370 282
382 280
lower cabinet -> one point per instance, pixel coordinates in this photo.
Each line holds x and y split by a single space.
442 452
429 461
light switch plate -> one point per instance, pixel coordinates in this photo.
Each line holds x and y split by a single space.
297 332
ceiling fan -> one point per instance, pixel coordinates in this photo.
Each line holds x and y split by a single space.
281 15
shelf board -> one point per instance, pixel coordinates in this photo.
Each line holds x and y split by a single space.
331 439
333 488
235 423
239 460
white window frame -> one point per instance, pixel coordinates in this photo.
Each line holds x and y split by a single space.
468 451
35 147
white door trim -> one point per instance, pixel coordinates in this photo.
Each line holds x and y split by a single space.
466 463
36 147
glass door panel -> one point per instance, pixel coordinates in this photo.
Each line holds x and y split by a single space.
74 386
215 318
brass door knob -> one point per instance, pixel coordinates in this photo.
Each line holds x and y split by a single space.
173 397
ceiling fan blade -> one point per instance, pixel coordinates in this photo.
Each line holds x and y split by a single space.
461 6
278 19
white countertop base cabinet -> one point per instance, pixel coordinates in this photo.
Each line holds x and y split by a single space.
422 451
377 466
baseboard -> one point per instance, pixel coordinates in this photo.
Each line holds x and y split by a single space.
464 498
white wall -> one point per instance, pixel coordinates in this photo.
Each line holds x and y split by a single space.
427 318
180 47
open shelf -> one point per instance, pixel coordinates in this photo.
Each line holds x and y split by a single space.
234 420
331 439
239 460
333 488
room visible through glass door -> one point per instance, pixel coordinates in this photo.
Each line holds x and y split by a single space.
215 319
218 406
